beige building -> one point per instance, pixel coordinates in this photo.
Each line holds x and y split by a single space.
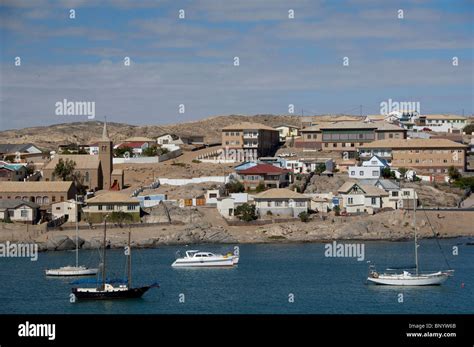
41 193
105 204
347 136
308 121
87 166
428 155
252 137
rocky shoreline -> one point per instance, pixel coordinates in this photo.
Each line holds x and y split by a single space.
387 226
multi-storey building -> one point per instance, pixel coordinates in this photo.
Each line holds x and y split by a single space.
347 136
430 155
252 137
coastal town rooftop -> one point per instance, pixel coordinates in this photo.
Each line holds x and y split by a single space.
413 143
248 126
35 186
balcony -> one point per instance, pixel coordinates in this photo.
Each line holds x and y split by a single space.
250 135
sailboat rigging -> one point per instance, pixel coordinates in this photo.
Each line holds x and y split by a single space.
407 278
105 290
77 270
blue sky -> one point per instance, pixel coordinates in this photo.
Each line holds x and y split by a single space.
190 61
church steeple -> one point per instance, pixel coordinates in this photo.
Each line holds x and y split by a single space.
106 157
105 134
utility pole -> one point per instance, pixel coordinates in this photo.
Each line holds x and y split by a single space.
360 110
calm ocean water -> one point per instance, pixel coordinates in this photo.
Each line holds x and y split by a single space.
264 281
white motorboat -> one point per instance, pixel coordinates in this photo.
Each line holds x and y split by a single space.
195 258
72 271
407 278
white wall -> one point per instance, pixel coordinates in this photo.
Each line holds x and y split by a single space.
224 205
65 207
30 214
184 181
364 172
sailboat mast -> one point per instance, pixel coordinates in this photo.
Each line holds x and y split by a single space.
416 236
129 259
77 234
104 253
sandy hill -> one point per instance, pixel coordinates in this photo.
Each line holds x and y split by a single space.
49 137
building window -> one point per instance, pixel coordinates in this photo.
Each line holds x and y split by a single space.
350 200
226 134
87 176
45 200
53 198
99 207
353 173
24 213
390 136
361 173
334 144
62 198
395 194
130 207
374 201
278 203
375 173
109 207
326 145
406 193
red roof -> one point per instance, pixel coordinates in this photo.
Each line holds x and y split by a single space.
132 144
263 169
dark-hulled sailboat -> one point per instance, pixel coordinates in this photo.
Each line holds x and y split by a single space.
105 290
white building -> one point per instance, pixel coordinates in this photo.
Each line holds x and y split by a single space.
364 172
18 210
212 195
281 202
370 169
359 198
397 197
444 122
226 205
287 131
167 139
65 208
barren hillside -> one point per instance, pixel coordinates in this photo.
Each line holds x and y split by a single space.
49 137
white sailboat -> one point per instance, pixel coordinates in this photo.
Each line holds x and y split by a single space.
77 270
407 278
